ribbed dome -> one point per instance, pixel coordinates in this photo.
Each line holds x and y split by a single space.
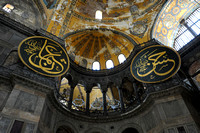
89 45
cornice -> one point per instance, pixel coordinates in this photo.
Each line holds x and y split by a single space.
27 78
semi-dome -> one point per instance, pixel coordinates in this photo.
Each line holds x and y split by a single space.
90 45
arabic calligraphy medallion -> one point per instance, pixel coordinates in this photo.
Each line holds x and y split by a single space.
155 64
44 56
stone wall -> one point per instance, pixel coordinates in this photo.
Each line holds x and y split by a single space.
165 114
25 12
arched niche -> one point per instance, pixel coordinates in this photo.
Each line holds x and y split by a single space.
130 128
64 127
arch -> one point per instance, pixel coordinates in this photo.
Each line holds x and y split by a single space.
109 64
130 130
64 129
79 97
167 23
96 98
96 65
121 58
130 126
69 77
64 90
66 125
112 97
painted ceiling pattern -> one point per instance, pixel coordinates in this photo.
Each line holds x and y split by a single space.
132 17
141 20
98 45
168 21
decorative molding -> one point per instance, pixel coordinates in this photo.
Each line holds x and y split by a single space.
26 77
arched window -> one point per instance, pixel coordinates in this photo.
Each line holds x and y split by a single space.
189 29
96 99
98 14
121 58
109 64
79 98
96 65
64 91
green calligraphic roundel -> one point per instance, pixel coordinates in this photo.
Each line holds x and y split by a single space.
155 64
44 56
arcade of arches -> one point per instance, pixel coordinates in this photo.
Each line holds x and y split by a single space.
98 93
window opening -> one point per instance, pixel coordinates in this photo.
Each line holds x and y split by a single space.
96 65
98 14
181 129
121 58
109 64
96 99
17 126
8 8
189 29
64 91
79 98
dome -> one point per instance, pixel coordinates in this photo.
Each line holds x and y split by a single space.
99 93
124 24
90 45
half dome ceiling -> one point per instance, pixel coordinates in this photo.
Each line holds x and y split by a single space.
87 46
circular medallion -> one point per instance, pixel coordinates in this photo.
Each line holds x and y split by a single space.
155 64
44 56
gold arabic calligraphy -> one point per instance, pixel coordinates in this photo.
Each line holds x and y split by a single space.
47 62
158 61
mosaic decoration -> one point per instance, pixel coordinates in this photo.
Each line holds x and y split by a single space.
118 15
78 101
44 56
74 15
155 64
139 28
114 104
97 104
50 3
168 20
98 45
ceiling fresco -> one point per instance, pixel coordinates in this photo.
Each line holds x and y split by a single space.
141 20
167 23
135 18
98 45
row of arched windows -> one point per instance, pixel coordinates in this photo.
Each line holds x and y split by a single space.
109 63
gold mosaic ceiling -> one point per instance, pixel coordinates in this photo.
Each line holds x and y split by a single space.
132 18
87 46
